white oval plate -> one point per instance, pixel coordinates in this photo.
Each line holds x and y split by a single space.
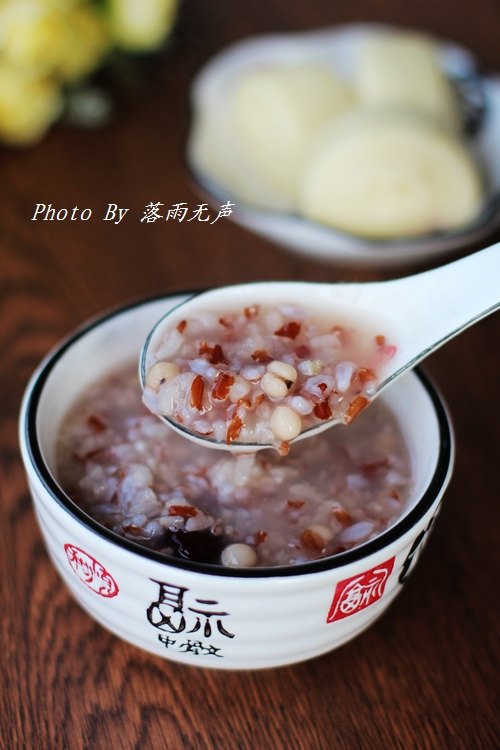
338 47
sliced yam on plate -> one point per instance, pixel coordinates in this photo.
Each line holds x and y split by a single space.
385 174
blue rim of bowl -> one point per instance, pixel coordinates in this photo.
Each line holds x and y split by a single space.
394 532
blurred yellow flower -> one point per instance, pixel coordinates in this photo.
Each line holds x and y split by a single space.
48 45
141 24
61 37
28 105
87 40
31 33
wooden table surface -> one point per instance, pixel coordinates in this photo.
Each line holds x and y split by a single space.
424 676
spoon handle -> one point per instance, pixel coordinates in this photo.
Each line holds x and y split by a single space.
440 303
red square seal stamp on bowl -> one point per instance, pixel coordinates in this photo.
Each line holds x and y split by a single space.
358 592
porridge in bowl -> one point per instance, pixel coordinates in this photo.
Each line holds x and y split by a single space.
103 472
137 477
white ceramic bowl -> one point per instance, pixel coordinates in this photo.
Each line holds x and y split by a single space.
208 615
338 47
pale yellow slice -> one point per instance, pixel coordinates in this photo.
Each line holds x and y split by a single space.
385 174
402 70
277 112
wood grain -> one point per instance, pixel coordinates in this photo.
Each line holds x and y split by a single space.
424 676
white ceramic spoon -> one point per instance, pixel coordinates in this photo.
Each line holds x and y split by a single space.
417 313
